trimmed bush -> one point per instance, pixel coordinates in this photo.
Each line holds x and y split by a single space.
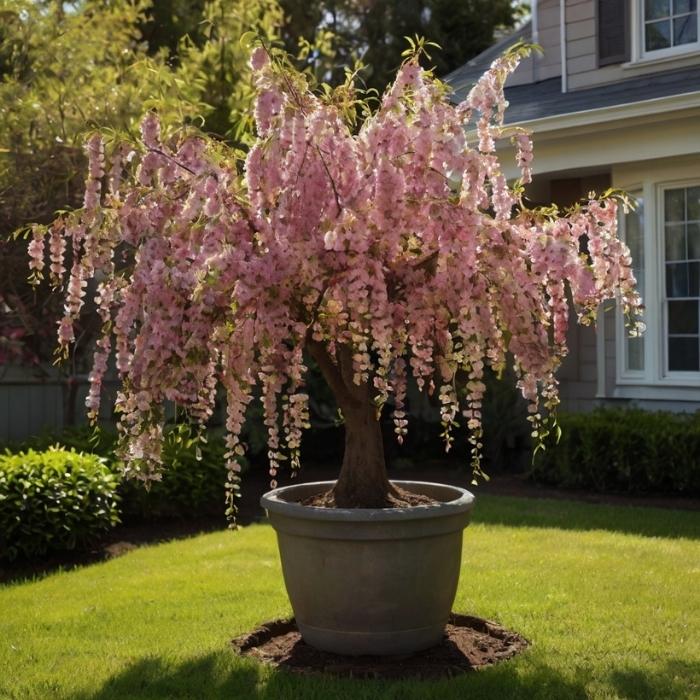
193 480
54 500
189 487
624 450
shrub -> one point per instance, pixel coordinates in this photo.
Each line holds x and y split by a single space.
54 500
631 450
193 481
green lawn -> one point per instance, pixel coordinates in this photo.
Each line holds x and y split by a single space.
609 597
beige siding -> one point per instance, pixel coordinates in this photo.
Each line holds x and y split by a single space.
582 51
582 58
578 373
609 321
580 29
547 65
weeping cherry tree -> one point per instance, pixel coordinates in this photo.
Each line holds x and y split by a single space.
383 243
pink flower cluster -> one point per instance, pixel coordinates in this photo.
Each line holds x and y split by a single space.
401 242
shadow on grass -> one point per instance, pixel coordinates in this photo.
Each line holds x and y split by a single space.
678 681
221 676
569 515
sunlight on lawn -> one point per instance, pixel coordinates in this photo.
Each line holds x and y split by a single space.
610 612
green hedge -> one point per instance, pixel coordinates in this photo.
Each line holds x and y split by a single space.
189 486
624 450
54 500
193 481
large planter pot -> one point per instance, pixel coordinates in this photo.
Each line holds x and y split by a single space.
370 580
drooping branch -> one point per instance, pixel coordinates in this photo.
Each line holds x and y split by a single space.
365 290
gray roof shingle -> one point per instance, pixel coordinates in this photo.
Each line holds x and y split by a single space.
545 98
462 79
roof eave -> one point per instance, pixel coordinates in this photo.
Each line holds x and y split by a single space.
599 115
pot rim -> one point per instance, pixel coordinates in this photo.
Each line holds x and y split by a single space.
273 502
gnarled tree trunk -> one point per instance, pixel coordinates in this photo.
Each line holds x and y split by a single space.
363 480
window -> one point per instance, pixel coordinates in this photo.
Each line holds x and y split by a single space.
681 221
669 26
663 235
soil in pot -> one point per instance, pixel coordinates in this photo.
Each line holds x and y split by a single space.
396 498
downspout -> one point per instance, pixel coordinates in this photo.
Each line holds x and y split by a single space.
562 41
535 29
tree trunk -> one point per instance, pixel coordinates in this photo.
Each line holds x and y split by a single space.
363 480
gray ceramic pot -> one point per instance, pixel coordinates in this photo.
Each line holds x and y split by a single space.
370 580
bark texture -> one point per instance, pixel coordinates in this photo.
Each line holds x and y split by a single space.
363 480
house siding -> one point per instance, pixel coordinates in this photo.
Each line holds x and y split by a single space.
582 66
548 64
578 375
582 52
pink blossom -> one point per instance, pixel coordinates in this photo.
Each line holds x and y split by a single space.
400 245
258 58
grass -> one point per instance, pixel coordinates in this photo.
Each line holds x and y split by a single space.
607 595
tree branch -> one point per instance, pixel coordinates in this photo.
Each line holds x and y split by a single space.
332 374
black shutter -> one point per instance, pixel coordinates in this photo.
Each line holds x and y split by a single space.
613 32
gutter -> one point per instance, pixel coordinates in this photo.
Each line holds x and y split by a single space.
597 115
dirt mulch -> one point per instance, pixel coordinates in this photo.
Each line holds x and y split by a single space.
397 498
470 643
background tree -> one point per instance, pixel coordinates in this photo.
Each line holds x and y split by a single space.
374 31
67 68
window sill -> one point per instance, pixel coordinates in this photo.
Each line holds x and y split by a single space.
660 60
658 391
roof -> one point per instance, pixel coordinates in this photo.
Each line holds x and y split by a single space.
545 98
463 78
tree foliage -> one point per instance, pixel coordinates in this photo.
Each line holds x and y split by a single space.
381 242
67 68
375 32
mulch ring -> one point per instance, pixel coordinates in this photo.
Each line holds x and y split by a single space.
470 643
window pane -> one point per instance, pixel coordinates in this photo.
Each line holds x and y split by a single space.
674 205
694 279
677 280
675 242
682 6
658 35
685 30
635 353
683 355
694 241
656 8
693 194
634 234
682 317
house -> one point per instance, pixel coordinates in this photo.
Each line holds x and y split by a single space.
615 101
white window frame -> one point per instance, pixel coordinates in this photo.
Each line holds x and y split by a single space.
639 51
655 375
634 376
